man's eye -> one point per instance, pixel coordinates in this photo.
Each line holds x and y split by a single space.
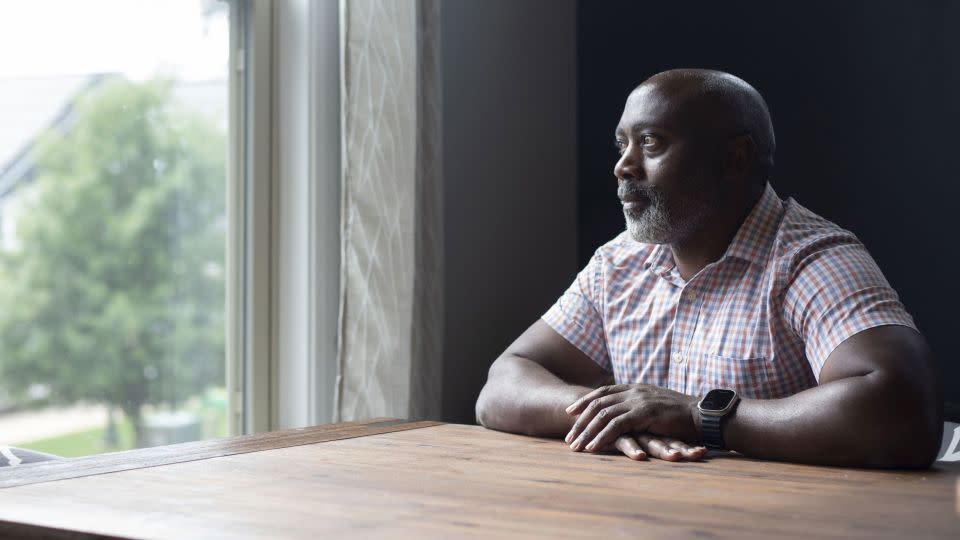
621 146
649 141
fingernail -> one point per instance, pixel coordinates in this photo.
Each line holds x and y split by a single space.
591 446
568 437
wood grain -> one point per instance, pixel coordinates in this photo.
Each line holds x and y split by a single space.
452 481
48 471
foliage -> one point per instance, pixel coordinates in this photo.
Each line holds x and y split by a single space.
84 443
115 292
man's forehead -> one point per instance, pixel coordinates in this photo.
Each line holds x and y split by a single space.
659 104
649 105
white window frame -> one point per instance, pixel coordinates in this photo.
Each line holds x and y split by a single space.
284 211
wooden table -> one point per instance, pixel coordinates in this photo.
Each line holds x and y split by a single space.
428 480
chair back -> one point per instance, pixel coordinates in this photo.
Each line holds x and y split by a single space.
13 457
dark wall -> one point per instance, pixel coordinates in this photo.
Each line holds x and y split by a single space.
509 166
865 99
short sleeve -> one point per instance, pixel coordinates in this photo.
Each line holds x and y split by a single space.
577 314
835 291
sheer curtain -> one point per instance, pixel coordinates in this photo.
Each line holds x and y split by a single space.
391 271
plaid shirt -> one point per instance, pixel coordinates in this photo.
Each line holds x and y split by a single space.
762 319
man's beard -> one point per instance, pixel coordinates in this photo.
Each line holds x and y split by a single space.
668 218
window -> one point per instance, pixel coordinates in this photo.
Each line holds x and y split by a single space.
115 270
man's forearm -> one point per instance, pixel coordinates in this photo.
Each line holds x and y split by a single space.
856 421
521 396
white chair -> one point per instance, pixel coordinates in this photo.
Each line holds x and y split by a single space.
950 443
13 457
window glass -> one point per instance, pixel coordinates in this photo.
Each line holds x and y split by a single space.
113 149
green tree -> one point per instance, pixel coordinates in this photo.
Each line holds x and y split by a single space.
115 292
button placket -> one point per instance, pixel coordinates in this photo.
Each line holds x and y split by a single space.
689 304
682 338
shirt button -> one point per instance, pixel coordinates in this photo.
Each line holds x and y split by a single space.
678 358
689 294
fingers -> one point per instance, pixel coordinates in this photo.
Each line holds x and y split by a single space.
603 419
626 422
630 447
669 449
692 453
577 406
596 409
657 448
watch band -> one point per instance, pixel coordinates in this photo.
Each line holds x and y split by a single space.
712 436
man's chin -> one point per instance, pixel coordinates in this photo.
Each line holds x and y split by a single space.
642 233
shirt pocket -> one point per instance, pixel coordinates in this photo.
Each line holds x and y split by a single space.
748 376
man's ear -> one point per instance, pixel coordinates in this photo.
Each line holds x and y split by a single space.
741 153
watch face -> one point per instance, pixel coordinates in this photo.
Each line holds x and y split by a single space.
717 400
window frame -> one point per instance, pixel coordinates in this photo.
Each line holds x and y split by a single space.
283 293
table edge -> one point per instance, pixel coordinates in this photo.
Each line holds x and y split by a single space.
65 469
14 529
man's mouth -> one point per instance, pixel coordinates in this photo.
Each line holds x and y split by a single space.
634 202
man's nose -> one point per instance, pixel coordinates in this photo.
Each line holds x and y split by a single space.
629 166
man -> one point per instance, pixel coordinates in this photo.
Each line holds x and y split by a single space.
716 285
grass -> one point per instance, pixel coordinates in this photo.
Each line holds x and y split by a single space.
210 408
84 443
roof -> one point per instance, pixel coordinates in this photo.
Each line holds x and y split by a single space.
28 108
31 106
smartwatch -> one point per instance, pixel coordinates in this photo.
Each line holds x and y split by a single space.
714 406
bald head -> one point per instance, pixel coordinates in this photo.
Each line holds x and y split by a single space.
718 101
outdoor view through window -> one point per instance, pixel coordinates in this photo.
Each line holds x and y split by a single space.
113 148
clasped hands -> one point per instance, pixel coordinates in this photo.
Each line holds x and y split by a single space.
638 420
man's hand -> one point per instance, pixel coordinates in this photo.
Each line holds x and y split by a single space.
638 447
609 414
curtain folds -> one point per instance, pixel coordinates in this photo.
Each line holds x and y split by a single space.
391 231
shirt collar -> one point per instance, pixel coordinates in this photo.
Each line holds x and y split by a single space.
660 260
752 242
755 238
